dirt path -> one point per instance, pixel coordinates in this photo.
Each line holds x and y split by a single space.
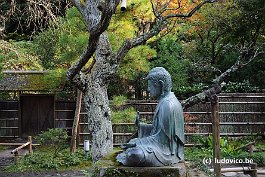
6 158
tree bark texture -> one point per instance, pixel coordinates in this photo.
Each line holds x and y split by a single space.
97 103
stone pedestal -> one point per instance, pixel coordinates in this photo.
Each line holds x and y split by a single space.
178 170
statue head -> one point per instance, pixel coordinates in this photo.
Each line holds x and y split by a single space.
159 82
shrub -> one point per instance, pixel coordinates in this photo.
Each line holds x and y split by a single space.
55 137
43 159
241 87
119 113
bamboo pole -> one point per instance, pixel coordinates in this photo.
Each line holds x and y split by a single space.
20 147
251 169
76 121
216 135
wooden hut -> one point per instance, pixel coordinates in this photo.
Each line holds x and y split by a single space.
31 108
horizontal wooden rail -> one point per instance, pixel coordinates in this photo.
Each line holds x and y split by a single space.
226 123
242 96
9 110
29 144
235 169
20 147
67 128
16 144
8 136
9 127
203 123
225 134
123 123
8 119
68 110
123 134
206 112
64 119
251 169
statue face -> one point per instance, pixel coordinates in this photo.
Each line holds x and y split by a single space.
154 90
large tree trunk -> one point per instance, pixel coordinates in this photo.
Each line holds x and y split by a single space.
97 107
97 103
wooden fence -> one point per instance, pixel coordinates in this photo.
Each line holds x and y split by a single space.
240 115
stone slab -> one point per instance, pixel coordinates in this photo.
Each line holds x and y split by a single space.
178 170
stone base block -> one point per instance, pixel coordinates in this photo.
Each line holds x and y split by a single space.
178 170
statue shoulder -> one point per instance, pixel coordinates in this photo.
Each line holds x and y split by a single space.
170 102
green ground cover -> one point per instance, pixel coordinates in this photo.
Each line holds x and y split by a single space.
48 157
230 149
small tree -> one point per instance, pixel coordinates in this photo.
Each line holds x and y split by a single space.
56 138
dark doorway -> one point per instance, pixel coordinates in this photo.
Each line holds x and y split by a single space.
37 113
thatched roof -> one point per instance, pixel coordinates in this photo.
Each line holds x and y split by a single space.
28 81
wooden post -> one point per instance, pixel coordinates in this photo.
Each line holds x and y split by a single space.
30 144
78 139
16 156
253 172
76 121
216 135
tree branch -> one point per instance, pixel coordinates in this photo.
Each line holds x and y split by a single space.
191 12
157 27
95 30
216 87
129 44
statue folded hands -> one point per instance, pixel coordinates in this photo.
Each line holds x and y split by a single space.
162 142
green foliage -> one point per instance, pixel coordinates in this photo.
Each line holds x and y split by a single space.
136 61
45 47
18 56
241 87
229 150
124 24
119 113
54 137
55 78
184 92
43 159
227 147
60 46
124 116
119 100
196 156
212 42
170 56
52 154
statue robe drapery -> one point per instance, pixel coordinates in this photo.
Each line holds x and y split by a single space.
162 142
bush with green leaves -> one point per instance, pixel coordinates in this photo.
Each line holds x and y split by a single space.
240 87
170 56
119 113
43 159
55 138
